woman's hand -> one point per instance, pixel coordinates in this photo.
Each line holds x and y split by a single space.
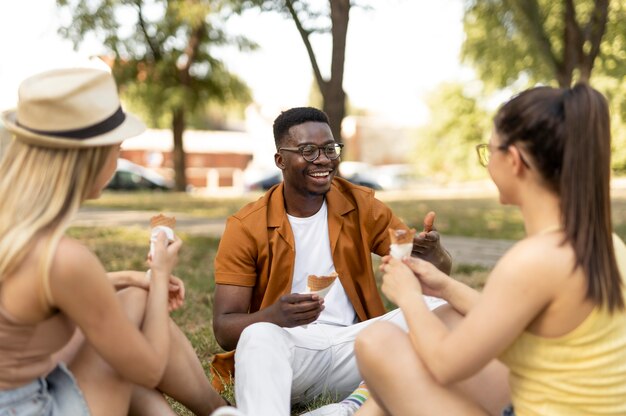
433 281
165 256
176 293
398 280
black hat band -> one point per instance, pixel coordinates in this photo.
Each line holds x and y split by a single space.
98 129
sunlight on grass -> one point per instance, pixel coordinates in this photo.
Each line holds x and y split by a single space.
126 248
470 217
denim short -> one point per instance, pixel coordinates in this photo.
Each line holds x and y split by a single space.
54 395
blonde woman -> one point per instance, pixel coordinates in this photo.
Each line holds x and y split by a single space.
124 349
552 310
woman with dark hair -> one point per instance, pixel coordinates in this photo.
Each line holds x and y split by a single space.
552 310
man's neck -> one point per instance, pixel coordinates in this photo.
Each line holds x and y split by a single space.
302 206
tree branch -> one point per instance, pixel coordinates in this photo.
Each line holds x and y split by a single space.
191 52
572 43
594 31
304 34
156 52
529 10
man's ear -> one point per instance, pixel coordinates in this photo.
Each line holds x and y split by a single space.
278 160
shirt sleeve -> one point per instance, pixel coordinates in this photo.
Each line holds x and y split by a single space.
381 218
235 262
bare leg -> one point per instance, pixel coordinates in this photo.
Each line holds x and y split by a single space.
370 408
149 402
404 386
109 394
106 392
184 379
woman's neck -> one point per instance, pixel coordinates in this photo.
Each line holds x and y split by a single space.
541 211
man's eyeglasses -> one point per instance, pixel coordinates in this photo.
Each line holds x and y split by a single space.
311 152
484 153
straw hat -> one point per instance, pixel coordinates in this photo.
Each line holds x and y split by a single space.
70 108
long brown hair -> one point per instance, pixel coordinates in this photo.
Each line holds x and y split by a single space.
567 133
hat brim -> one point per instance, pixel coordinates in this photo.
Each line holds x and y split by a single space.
131 127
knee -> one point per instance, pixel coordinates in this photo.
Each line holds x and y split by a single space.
134 300
260 336
260 341
374 340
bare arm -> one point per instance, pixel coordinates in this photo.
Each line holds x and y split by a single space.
80 288
231 312
130 278
515 295
435 283
126 278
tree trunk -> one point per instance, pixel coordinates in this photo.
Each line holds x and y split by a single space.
334 107
333 93
178 127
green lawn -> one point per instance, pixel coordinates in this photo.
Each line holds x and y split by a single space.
125 248
475 217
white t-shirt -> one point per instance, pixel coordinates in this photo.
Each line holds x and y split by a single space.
313 256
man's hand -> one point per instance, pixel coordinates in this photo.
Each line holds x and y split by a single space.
296 309
427 246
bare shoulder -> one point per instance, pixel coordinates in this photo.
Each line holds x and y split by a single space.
73 259
534 258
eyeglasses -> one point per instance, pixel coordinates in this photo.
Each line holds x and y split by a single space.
311 152
484 153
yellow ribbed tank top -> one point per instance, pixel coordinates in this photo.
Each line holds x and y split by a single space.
580 373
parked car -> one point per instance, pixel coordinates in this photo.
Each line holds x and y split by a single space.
261 180
359 173
130 176
398 176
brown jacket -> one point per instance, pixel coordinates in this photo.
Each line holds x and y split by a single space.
258 250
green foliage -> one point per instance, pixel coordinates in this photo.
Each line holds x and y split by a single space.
523 40
162 51
445 147
520 43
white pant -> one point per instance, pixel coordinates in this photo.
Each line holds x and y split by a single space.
277 366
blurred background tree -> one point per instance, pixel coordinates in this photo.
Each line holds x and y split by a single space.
160 54
445 146
513 45
312 18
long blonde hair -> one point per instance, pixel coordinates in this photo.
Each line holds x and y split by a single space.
40 191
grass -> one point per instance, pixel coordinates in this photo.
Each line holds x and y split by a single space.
125 248
171 202
476 217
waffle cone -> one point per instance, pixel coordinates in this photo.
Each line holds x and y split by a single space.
162 220
401 236
316 283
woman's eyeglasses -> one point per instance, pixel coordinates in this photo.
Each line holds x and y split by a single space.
484 153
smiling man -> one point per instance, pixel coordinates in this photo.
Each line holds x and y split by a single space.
291 345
